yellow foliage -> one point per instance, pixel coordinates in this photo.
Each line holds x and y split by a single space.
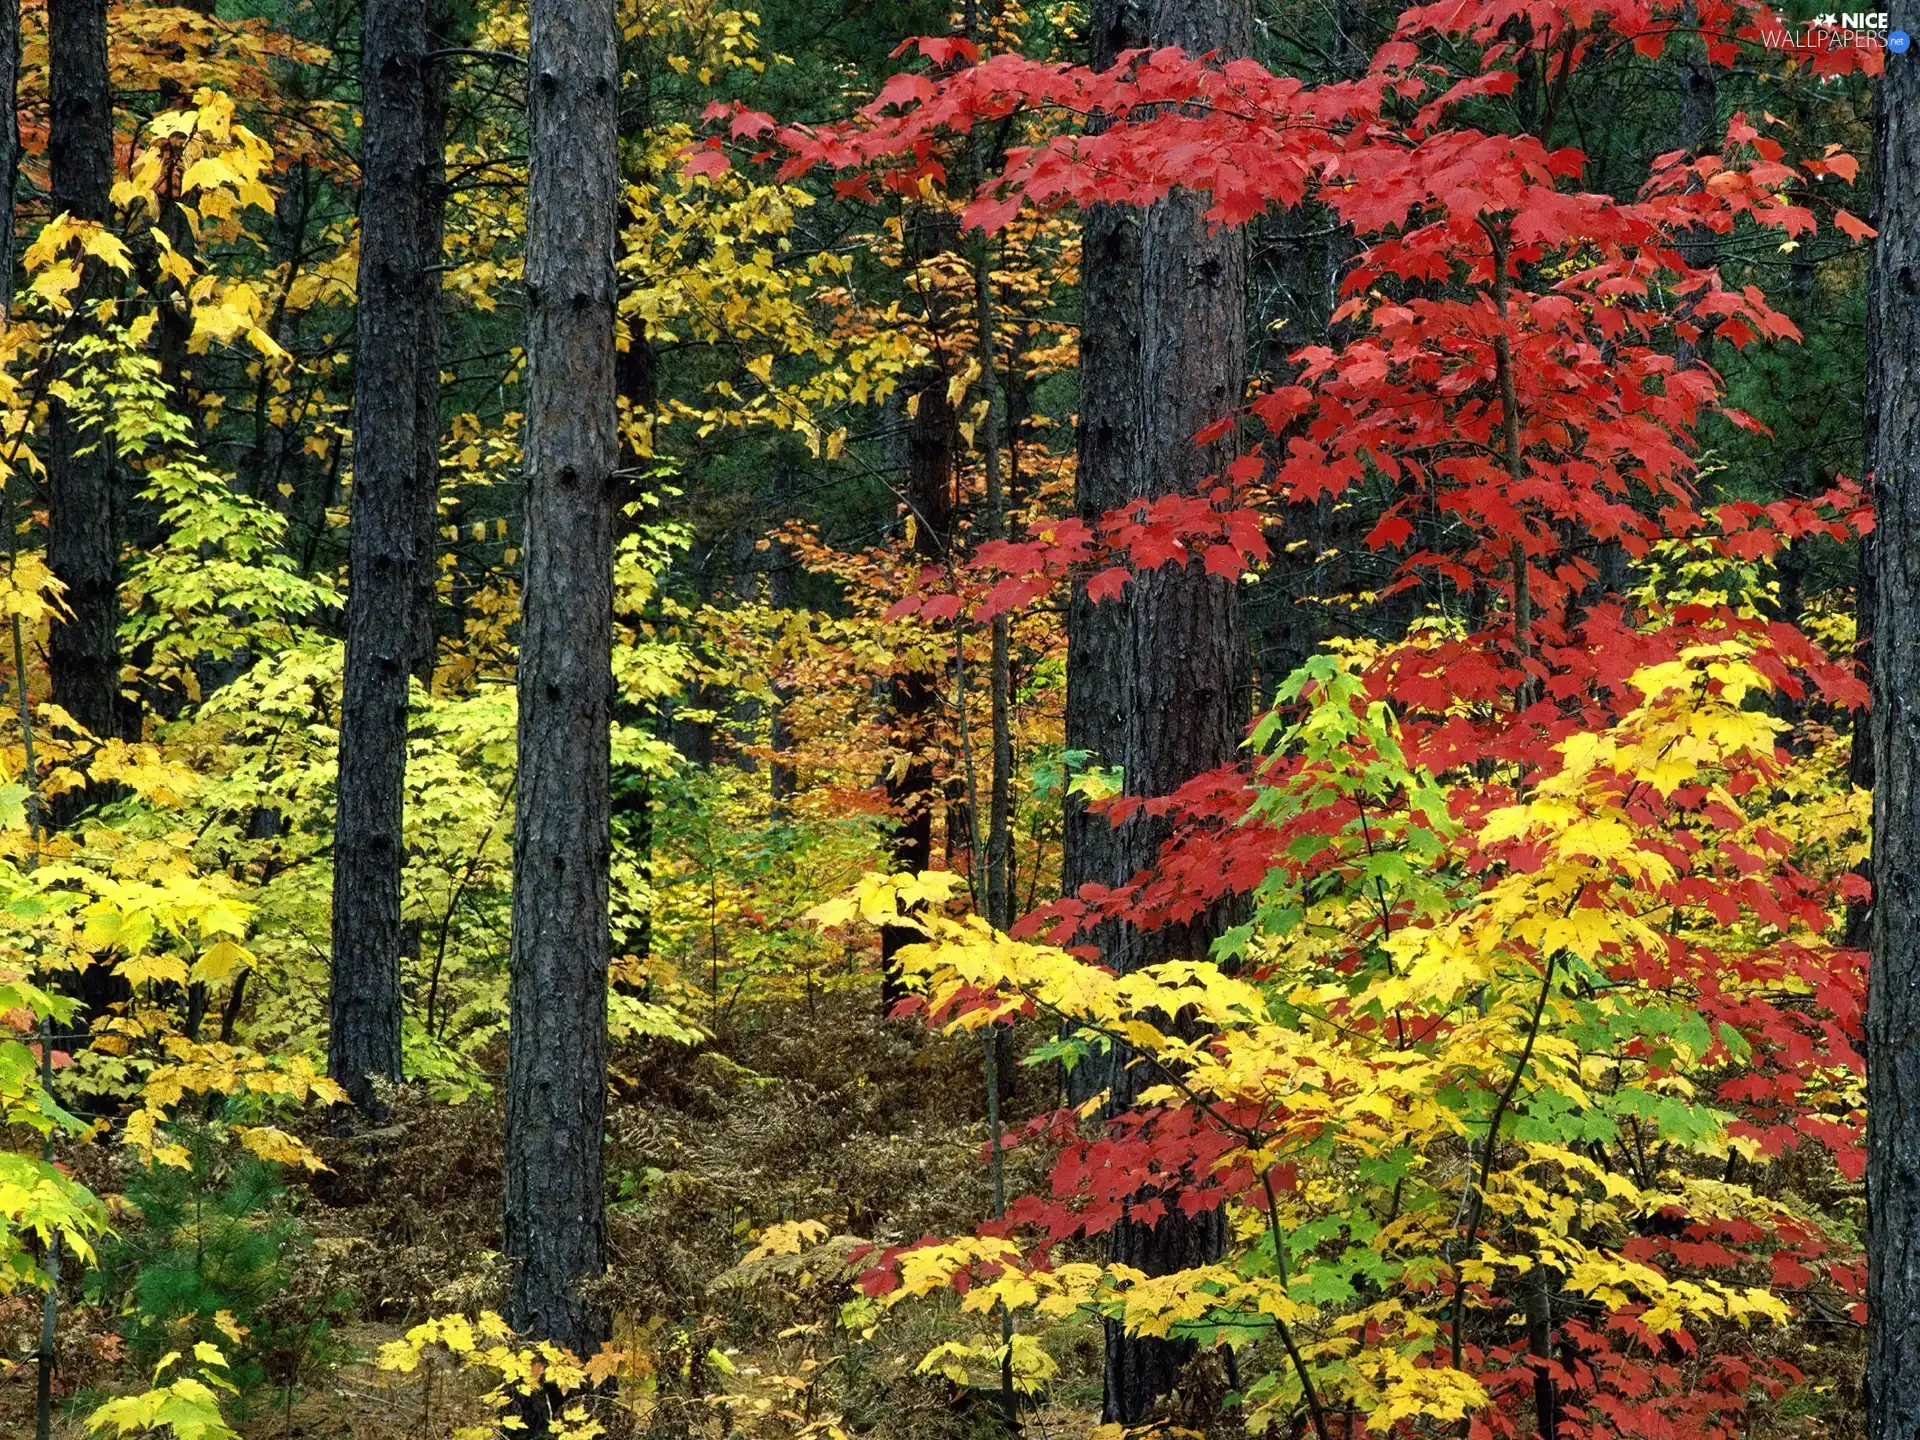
1319 1080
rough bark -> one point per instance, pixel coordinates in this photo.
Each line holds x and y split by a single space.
1859 924
933 444
1893 990
9 143
1155 679
916 692
82 543
386 551
555 1222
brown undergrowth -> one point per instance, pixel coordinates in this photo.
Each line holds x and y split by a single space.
814 1111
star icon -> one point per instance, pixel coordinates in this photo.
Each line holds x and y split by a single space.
1828 20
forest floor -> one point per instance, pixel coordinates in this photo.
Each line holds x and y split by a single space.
806 1110
812 1110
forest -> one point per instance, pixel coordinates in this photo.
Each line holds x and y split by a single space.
933 719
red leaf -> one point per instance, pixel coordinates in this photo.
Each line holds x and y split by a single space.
941 50
1011 593
991 215
1225 561
1108 584
706 162
1854 226
750 125
1392 532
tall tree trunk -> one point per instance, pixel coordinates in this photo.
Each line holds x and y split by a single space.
1893 990
9 144
1154 679
933 445
386 558
432 190
82 546
557 1065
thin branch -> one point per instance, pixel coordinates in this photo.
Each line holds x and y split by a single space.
1478 1205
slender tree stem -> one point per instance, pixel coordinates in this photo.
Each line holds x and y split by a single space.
1477 1202
1280 1326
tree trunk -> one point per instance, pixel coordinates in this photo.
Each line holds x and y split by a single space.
1153 679
556 1074
385 550
1893 991
82 545
9 144
933 444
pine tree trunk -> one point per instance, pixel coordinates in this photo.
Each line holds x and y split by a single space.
82 543
556 1077
9 144
1893 991
385 554
933 444
1155 680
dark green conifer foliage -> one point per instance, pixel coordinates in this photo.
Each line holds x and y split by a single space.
216 1237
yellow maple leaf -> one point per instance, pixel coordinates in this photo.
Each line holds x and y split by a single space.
221 962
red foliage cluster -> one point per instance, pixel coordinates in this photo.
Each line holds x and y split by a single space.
1509 380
